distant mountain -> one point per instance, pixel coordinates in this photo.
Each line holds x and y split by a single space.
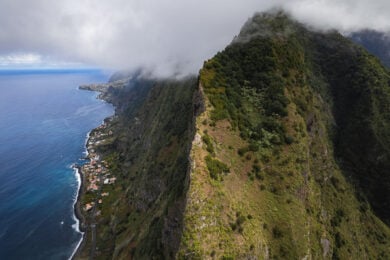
375 42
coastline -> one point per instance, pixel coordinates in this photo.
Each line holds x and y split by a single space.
77 207
79 217
85 218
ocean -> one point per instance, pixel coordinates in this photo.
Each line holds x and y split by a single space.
44 122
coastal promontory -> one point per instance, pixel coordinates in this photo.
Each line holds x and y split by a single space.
278 149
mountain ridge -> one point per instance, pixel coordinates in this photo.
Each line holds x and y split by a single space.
375 42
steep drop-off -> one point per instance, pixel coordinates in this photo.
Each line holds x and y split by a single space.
140 216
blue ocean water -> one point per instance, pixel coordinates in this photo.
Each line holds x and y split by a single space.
44 120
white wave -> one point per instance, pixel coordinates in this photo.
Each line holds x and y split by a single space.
85 144
76 226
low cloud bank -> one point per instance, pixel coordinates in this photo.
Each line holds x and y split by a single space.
167 37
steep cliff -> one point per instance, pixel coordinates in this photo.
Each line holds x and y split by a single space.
140 216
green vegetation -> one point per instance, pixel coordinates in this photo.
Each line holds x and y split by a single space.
209 144
375 42
361 91
216 168
238 224
245 87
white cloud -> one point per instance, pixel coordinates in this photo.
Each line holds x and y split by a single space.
344 15
34 60
167 36
20 59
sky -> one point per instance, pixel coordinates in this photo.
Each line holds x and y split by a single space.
167 37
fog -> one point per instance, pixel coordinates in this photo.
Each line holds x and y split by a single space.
167 37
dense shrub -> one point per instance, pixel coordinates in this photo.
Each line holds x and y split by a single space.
216 168
277 232
246 79
242 151
209 144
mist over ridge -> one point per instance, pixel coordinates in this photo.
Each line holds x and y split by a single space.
165 37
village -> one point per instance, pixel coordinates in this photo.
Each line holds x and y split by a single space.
96 173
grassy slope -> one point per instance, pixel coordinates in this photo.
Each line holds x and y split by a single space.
285 196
